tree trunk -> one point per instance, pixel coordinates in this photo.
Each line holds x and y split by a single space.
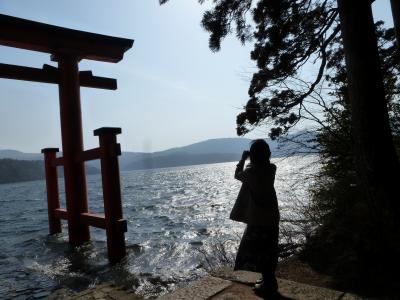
395 4
377 162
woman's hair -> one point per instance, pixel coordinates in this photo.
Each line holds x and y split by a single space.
259 152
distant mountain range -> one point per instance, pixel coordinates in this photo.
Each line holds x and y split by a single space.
15 170
209 151
12 170
205 152
14 154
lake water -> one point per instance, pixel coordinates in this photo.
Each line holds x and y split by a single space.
172 213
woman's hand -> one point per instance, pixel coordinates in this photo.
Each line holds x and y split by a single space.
245 155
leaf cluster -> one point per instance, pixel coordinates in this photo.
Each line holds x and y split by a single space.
289 36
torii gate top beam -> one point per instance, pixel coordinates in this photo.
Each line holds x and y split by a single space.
36 36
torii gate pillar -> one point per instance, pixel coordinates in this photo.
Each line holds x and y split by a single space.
72 144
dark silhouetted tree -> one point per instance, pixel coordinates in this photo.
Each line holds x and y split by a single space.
347 238
293 38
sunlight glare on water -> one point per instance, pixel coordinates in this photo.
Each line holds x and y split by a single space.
171 213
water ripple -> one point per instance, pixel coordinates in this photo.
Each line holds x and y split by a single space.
170 213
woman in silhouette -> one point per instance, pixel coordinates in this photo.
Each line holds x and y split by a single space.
257 206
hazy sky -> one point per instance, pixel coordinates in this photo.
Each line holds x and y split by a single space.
172 90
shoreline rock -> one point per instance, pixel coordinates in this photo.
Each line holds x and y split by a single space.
104 291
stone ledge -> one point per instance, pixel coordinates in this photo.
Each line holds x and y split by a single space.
299 291
201 289
242 282
244 277
225 284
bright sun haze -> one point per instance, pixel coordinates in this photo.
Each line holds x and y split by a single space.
172 90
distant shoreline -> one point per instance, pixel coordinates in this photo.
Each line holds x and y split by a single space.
16 166
36 169
15 171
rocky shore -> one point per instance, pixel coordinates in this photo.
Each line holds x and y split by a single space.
222 284
105 291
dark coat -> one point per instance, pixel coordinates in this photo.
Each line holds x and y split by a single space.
256 203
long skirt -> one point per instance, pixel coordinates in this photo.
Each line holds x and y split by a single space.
258 251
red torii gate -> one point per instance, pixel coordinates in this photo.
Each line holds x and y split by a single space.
67 47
